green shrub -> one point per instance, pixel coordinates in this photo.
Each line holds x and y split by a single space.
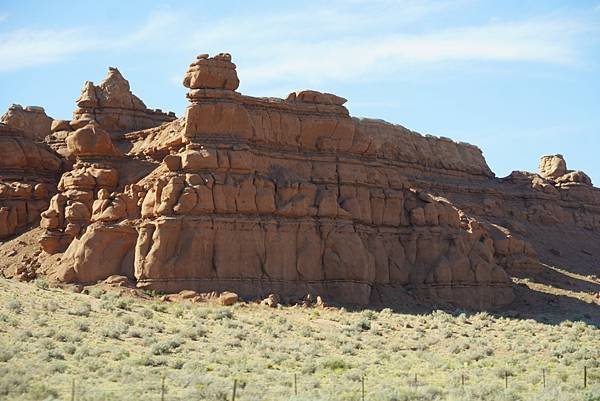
363 324
6 354
166 347
83 309
41 284
223 314
15 306
146 313
82 325
335 364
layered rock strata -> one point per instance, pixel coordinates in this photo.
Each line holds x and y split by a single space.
28 172
296 197
93 176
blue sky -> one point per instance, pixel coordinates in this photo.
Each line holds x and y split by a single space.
517 78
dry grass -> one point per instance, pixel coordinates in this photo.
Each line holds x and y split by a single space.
117 348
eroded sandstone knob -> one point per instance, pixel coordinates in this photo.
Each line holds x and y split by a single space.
32 120
552 166
113 106
19 153
90 140
217 72
113 91
316 97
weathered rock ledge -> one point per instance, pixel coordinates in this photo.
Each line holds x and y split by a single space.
292 196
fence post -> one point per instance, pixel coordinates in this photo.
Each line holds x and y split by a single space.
162 387
295 385
73 390
462 379
505 379
363 387
584 376
415 380
544 377
234 389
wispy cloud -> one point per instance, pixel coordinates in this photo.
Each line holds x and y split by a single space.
3 17
345 40
357 55
25 48
152 29
29 47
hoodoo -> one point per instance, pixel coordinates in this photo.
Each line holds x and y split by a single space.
292 196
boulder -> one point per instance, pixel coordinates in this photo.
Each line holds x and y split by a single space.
91 140
271 301
228 298
217 72
552 166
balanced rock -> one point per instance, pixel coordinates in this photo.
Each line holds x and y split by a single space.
552 166
216 72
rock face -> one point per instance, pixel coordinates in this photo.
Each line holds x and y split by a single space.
295 198
31 120
115 108
27 179
111 107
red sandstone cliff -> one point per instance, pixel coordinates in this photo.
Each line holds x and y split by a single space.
293 197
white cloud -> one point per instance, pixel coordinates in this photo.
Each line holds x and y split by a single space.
3 17
24 47
153 29
353 55
346 40
29 47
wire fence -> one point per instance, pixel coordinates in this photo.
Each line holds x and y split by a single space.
298 386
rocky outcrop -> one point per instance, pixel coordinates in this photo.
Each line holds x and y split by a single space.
31 120
27 179
216 72
554 168
294 198
93 174
112 105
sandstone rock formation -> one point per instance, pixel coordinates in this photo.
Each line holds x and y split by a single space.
32 120
114 107
28 173
554 168
294 197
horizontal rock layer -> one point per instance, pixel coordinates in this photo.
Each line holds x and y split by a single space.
294 196
28 173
